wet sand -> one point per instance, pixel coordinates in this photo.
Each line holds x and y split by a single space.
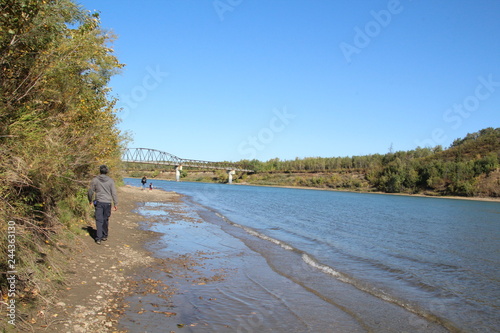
170 266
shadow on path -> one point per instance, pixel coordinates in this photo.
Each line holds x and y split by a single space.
92 232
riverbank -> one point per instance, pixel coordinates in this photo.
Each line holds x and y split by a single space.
126 281
237 282
200 274
98 277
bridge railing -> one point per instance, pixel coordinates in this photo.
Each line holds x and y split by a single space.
153 156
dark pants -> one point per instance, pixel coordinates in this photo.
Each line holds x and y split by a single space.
102 214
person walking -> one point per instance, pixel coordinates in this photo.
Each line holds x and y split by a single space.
102 194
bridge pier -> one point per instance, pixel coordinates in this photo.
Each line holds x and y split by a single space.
178 169
230 174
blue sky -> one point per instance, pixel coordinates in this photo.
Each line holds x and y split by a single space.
241 79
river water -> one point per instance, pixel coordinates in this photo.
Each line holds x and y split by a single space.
434 258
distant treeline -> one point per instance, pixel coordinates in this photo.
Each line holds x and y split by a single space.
469 167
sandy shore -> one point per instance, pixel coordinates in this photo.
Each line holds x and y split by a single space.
99 277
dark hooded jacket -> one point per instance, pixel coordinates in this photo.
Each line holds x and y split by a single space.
104 189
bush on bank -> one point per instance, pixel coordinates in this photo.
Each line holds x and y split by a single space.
57 125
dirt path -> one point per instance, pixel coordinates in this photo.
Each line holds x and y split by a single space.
100 276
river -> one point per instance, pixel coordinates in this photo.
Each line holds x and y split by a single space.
438 258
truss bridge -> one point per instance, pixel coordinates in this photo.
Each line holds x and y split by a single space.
157 157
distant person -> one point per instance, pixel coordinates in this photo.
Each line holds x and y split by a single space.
150 186
102 193
144 180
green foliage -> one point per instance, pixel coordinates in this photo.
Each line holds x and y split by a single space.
469 167
221 176
57 121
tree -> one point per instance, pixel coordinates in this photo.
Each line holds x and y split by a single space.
57 121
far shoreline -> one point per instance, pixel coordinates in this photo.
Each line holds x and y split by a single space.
486 199
419 195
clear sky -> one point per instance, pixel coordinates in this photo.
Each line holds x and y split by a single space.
241 79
